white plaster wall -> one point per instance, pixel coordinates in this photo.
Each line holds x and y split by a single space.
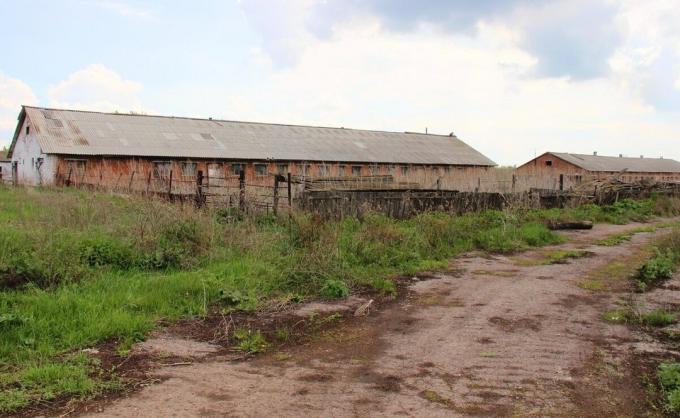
27 155
6 172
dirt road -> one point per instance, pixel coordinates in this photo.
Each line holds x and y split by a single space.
500 336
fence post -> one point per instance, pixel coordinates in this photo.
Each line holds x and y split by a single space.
148 183
276 195
514 182
199 188
290 195
132 176
242 190
170 185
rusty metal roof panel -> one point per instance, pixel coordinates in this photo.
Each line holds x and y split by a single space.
617 164
91 133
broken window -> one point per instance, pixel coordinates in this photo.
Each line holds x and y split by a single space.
189 169
548 163
260 169
282 168
374 170
341 170
356 170
404 170
161 170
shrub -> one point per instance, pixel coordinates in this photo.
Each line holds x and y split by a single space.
669 378
658 318
334 289
655 270
104 251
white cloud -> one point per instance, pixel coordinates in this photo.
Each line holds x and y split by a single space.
124 9
13 94
478 86
96 87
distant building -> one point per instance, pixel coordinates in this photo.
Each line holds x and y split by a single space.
53 146
574 167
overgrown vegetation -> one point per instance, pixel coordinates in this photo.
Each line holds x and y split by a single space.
669 379
662 265
79 268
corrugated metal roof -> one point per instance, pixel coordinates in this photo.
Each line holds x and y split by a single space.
616 164
92 133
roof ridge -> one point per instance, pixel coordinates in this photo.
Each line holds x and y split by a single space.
237 121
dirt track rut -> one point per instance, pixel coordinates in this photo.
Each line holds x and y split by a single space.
499 338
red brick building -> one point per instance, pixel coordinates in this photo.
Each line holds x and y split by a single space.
52 146
573 168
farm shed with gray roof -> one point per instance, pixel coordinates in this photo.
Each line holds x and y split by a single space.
49 143
552 164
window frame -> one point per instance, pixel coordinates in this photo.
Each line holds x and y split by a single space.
156 173
235 172
185 164
260 169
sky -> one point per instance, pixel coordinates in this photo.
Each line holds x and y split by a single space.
512 78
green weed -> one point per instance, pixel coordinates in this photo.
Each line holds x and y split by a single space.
669 379
384 286
658 318
334 289
249 341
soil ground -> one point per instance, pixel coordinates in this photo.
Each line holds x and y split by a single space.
494 336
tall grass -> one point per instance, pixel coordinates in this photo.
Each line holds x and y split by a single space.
79 268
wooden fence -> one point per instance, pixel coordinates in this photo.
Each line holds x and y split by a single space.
337 197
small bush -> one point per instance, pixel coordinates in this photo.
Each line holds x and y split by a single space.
669 378
661 267
106 252
658 318
334 289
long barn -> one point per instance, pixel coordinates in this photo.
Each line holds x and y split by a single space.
576 167
53 146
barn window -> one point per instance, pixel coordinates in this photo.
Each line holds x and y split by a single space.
189 169
28 129
282 168
404 170
323 170
356 170
76 168
161 170
260 169
375 170
214 170
341 170
548 163
236 168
